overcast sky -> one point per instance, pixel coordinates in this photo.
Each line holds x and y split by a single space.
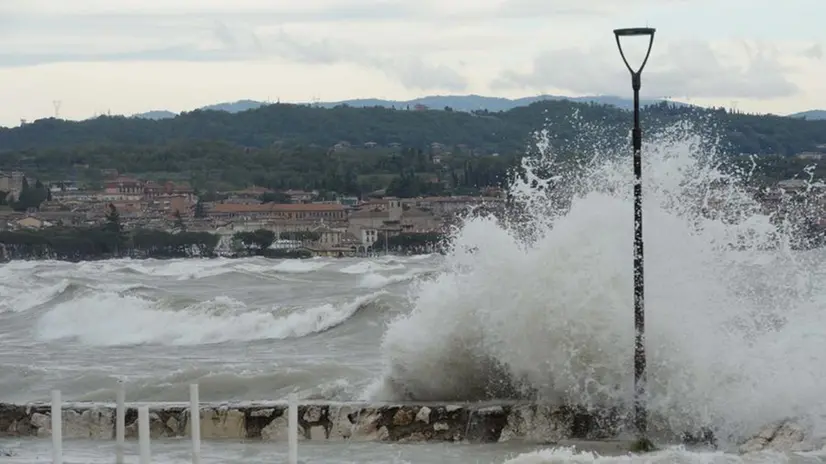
129 56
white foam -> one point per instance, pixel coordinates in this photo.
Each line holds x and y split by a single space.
374 280
298 266
110 319
364 267
736 335
15 300
569 455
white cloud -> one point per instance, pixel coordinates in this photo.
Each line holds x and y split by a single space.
767 56
675 69
815 52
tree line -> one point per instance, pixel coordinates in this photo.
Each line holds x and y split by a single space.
105 241
285 146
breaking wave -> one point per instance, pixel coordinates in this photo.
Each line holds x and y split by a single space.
542 308
111 319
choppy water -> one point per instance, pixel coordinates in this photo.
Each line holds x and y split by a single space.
736 327
242 329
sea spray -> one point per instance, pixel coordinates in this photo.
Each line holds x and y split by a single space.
541 308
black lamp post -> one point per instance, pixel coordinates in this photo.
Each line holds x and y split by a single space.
640 413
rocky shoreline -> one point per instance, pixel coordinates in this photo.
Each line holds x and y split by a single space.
475 423
403 423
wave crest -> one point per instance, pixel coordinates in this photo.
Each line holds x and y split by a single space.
543 309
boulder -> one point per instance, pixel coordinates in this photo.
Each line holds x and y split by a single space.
783 436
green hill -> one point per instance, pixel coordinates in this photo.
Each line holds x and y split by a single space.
358 149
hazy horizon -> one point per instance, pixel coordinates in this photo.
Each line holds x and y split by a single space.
128 56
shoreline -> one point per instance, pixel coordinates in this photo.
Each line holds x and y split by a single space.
485 422
217 256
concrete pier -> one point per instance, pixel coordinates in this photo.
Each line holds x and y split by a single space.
461 422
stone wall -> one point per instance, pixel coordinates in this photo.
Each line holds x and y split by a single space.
476 423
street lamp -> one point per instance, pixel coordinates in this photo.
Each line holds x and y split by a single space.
640 413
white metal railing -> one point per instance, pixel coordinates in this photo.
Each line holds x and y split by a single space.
143 428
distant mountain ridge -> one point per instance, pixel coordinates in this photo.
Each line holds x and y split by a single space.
812 115
455 102
436 102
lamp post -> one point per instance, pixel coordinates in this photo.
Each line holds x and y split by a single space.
640 412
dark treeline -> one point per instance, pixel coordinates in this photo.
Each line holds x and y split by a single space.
291 146
109 240
301 125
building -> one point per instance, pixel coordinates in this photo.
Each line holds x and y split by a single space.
277 211
300 196
11 181
448 206
123 186
391 217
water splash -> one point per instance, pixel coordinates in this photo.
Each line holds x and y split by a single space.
539 306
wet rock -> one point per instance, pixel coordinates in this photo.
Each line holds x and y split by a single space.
221 423
403 417
95 423
485 425
781 436
401 423
277 430
340 426
316 432
258 423
366 425
423 415
42 424
312 414
14 420
533 423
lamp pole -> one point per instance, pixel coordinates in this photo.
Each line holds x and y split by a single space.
640 412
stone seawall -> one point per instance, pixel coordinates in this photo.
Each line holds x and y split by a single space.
475 423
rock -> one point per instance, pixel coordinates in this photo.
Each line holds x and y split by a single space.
366 425
534 423
42 424
262 412
783 436
312 414
317 432
173 424
404 416
277 430
423 415
221 423
340 426
483 423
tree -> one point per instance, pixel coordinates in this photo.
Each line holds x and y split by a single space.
112 220
255 242
30 197
81 243
290 146
200 211
275 197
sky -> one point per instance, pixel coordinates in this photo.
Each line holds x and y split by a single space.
131 56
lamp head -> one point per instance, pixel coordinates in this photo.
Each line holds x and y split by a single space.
631 31
635 32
